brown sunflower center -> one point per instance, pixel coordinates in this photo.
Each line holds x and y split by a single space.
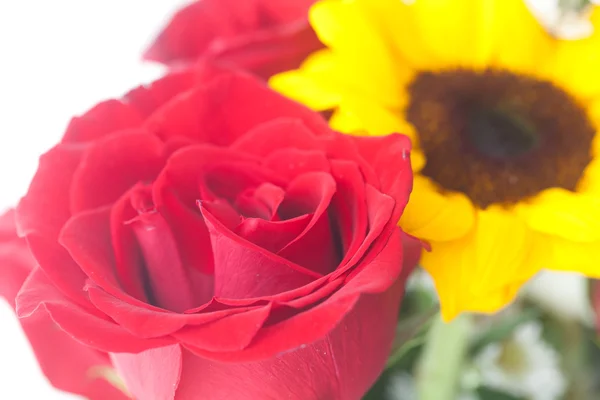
496 136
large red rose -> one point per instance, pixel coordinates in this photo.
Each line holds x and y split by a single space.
225 234
262 36
69 366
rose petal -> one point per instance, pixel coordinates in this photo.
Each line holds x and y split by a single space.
263 36
380 208
148 98
268 52
245 270
15 258
277 134
195 26
230 333
315 247
377 276
185 167
272 236
390 157
86 237
45 207
261 202
342 364
342 147
91 330
227 179
103 119
167 275
151 374
139 319
281 298
349 208
128 257
191 115
60 268
111 166
175 193
8 226
291 163
69 365
148 322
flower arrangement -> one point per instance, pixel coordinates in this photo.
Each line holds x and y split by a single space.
326 200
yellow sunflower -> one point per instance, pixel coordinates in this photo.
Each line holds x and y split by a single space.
503 118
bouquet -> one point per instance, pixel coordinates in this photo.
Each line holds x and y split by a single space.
326 200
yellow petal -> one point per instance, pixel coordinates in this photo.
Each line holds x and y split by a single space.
521 44
316 84
365 61
575 65
482 271
567 255
345 119
377 119
452 32
559 212
593 109
590 183
433 216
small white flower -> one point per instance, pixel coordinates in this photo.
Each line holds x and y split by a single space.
401 386
523 366
564 294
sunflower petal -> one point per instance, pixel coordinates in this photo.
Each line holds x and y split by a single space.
575 65
433 216
482 271
572 256
559 212
453 32
316 84
521 44
357 116
344 28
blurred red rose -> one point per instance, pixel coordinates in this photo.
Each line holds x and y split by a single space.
69 366
262 36
222 231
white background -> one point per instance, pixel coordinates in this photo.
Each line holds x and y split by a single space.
58 58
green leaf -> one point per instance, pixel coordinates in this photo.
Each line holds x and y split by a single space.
410 334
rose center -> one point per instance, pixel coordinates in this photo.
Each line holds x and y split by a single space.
496 136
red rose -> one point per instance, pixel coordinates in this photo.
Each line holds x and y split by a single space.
69 366
227 235
262 36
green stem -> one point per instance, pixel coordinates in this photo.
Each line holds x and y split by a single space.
439 369
574 358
